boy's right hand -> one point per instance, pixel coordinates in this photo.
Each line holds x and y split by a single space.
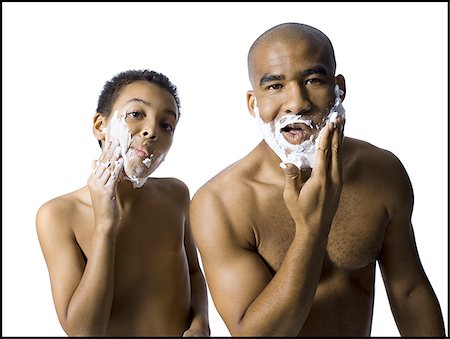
102 186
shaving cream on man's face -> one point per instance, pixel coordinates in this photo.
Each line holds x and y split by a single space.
293 138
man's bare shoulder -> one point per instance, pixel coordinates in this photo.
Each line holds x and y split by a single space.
379 169
232 182
222 209
366 154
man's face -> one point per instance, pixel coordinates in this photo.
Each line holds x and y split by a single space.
143 120
294 91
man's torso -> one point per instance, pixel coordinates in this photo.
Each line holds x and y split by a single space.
343 301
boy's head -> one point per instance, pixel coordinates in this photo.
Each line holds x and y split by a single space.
138 111
113 87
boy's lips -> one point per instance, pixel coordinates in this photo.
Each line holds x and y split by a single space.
140 152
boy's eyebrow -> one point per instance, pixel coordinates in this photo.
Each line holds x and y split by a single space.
149 104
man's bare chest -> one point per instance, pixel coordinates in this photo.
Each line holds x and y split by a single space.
354 241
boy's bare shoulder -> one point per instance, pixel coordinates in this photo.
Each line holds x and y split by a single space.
58 212
170 187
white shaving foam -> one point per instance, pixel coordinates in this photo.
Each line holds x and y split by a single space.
118 131
301 155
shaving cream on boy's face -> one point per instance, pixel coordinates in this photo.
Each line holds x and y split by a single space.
295 139
139 162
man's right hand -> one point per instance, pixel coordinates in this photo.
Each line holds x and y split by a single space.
313 202
102 186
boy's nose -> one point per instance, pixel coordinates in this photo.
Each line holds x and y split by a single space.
150 133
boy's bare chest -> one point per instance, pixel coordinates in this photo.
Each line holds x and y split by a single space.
141 229
355 237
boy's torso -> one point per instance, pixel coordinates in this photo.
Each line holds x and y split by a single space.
151 285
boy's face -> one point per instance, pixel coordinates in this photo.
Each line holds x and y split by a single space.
143 120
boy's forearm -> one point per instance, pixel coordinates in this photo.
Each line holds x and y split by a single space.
199 303
90 306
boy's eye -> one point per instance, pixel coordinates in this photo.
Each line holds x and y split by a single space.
166 126
135 115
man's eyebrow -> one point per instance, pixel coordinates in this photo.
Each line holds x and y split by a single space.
168 111
277 77
316 70
271 77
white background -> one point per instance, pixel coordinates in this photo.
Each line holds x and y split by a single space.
57 56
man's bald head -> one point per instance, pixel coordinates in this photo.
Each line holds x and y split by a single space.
291 31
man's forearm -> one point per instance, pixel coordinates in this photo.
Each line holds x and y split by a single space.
419 314
282 307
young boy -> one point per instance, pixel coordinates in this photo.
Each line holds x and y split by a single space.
119 251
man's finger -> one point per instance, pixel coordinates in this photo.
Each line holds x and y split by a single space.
292 179
336 156
322 156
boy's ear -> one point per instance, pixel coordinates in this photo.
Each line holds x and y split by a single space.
340 80
99 123
251 102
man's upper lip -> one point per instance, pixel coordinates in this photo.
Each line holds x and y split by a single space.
297 125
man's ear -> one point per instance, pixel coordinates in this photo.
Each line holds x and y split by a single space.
340 80
251 102
99 124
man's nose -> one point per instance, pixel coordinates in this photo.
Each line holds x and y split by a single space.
297 100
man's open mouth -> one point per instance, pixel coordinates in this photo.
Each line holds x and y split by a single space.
295 133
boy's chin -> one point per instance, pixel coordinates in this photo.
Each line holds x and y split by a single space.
140 171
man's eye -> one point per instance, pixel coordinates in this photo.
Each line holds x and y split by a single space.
275 86
313 81
135 115
168 127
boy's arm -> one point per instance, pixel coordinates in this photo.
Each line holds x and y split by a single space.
82 292
414 304
199 298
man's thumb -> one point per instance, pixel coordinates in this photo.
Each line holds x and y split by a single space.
293 177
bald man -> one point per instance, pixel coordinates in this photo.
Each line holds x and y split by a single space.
290 234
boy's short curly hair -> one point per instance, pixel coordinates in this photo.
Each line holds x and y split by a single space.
113 87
